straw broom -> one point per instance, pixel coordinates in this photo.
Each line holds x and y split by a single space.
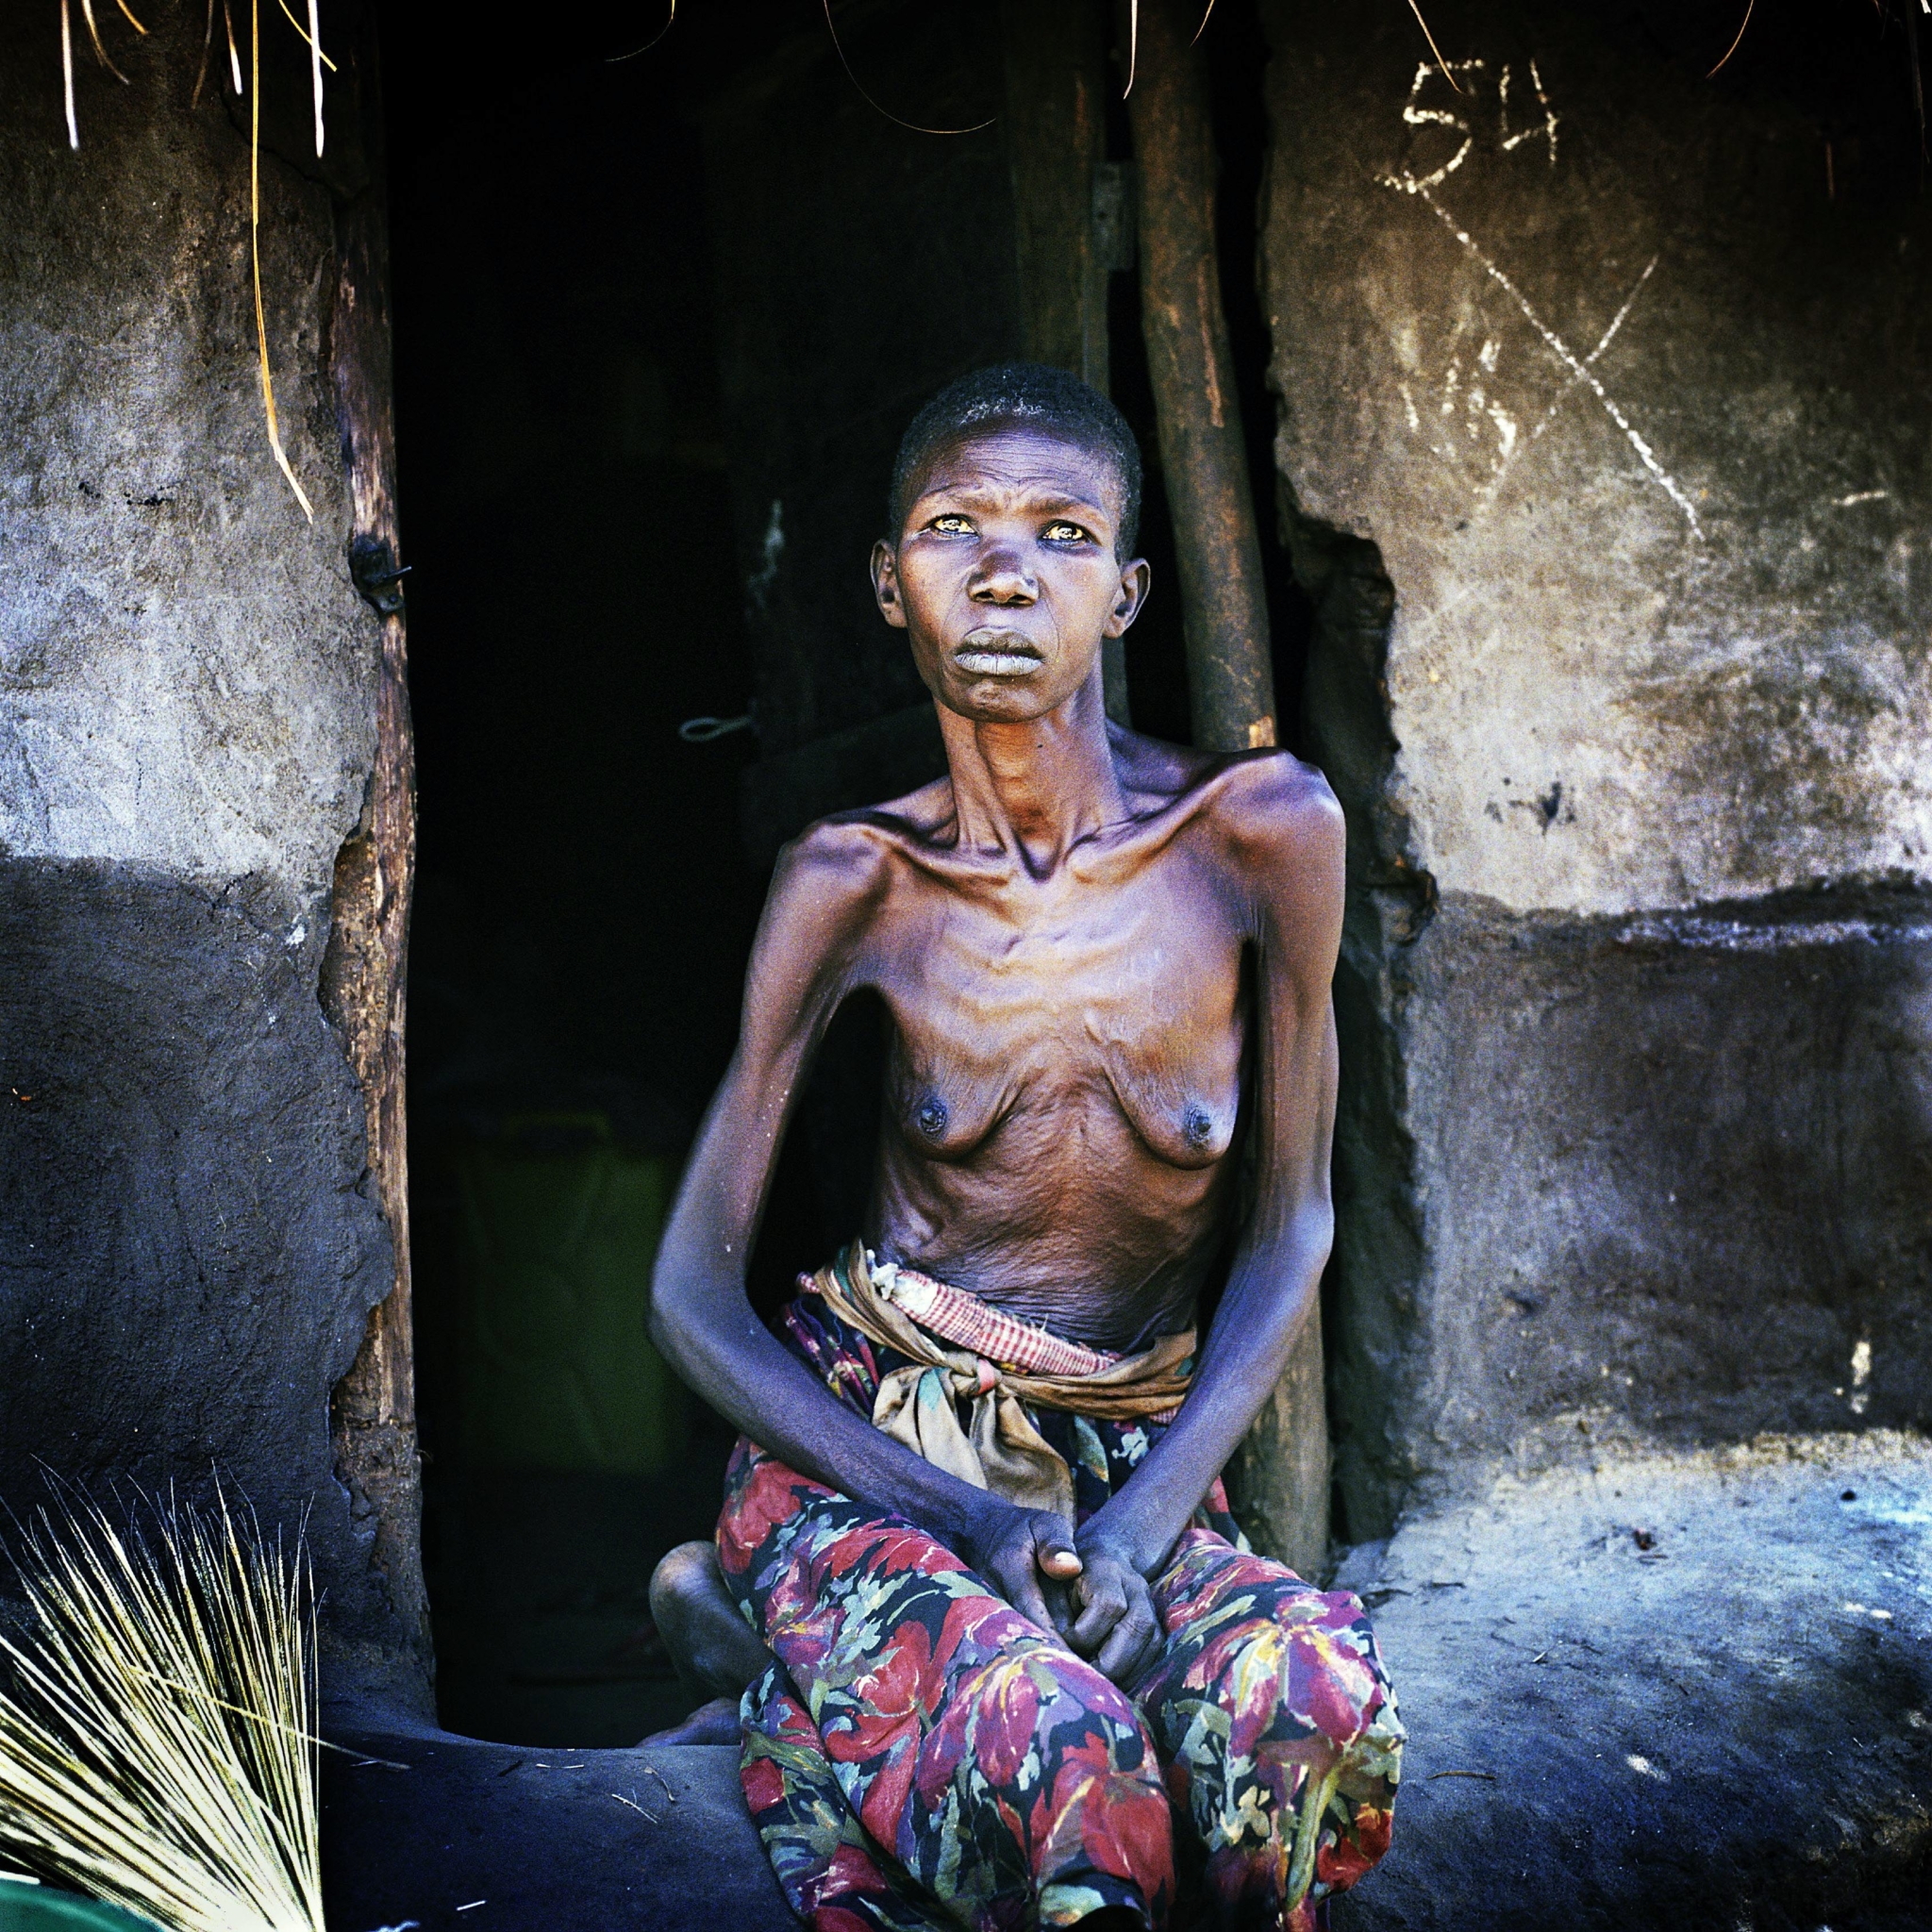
157 1744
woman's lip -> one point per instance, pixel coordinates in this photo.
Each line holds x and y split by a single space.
996 654
987 664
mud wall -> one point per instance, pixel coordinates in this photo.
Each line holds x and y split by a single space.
1603 441
187 1246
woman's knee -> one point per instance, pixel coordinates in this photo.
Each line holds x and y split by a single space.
1036 1713
1039 1744
714 1652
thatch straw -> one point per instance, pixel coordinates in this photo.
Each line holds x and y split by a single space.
1906 13
157 1748
268 387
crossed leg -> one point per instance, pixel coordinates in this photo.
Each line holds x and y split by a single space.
1273 1713
717 1655
916 1738
919 1755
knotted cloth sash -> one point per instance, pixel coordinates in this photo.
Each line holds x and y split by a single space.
963 1350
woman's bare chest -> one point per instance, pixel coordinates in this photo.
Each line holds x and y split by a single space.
1070 1016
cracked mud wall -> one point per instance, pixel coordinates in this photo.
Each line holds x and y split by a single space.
1604 422
187 1246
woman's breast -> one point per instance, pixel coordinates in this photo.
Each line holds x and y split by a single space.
1077 1058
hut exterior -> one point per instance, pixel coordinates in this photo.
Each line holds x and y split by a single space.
1603 413
192 1230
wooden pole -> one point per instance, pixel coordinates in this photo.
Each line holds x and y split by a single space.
373 1410
1281 1472
1055 134
1203 462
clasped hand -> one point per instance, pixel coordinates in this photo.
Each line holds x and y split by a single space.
1082 1589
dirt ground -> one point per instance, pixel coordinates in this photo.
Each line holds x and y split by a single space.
1665 1690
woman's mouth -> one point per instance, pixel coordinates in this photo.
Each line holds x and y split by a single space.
988 653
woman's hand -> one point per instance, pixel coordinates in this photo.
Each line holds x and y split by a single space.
1116 1628
1086 1591
1026 1555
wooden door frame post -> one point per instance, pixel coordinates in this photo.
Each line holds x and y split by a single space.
1281 1472
373 1410
1055 127
1204 461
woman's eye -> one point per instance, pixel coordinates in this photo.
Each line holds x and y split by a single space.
1064 533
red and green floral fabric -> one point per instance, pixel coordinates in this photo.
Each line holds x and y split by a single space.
921 1756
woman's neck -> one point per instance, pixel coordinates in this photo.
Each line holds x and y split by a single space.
1034 789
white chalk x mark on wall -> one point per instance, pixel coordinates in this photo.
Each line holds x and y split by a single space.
1580 371
1487 419
1562 395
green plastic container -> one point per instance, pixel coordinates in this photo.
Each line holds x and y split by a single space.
558 1232
34 1908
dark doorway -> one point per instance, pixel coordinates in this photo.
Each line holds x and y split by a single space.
659 322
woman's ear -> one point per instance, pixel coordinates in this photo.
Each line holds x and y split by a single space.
1129 597
884 584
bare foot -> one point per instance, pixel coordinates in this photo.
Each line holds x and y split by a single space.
715 1723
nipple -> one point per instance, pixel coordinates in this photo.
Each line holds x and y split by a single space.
1197 1125
931 1117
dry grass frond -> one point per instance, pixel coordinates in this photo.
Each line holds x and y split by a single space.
316 58
1415 7
87 13
158 1749
207 43
67 74
670 22
1738 42
310 38
268 386
234 57
911 126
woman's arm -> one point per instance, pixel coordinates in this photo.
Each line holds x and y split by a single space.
1286 842
809 953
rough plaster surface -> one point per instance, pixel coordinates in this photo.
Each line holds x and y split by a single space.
1731 1727
186 693
188 1254
1613 507
1577 347
1614 514
185 669
1672 1173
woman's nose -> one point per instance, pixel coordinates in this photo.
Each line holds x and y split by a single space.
1003 578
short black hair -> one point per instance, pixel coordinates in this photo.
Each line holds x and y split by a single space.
1034 395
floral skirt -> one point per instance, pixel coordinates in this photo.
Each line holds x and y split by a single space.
922 1756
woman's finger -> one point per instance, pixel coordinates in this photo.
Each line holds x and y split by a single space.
1107 1602
1020 1581
1052 1548
1131 1643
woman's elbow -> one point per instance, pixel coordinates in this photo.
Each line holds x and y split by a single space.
672 1317
1321 1231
